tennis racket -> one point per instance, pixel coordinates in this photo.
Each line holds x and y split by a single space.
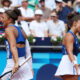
10 72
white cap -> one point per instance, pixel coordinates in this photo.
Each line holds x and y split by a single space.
59 0
53 14
24 0
2 10
39 11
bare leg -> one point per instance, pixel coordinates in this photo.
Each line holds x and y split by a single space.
0 79
70 77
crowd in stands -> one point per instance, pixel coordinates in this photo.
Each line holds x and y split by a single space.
41 18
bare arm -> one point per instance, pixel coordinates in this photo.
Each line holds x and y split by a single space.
69 40
46 33
12 41
69 46
29 19
64 33
20 18
33 33
50 35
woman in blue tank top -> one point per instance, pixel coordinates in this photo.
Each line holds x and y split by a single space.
68 68
15 45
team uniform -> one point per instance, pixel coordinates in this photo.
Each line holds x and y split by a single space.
66 67
24 72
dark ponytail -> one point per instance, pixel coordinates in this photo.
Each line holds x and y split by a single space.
13 14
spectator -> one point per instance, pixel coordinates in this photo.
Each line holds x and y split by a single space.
1 24
46 10
62 11
69 5
74 4
33 4
27 13
16 3
27 16
0 3
56 26
77 7
6 4
24 26
50 4
69 0
38 28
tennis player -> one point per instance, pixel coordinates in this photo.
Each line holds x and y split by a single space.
68 68
16 44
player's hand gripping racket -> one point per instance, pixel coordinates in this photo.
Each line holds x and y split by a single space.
10 72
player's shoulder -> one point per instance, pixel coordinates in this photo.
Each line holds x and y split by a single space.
68 36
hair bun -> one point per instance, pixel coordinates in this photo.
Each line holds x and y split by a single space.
72 15
17 11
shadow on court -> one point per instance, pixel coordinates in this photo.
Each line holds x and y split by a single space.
47 72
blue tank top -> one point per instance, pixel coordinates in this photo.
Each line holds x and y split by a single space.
19 39
75 45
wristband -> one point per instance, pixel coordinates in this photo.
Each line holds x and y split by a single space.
74 62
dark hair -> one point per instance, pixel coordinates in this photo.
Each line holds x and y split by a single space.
13 14
41 0
3 1
71 17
